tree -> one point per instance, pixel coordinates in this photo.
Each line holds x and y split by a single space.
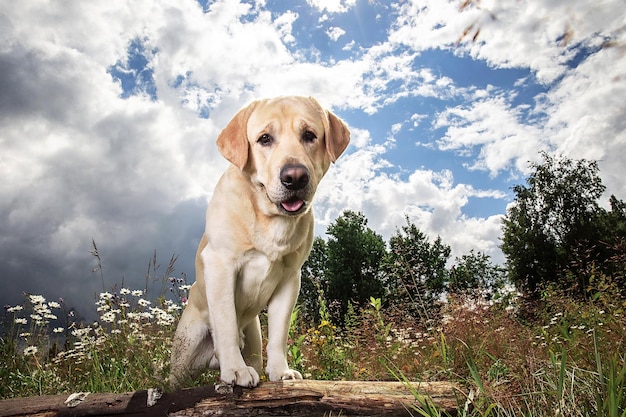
608 266
552 220
354 255
476 273
313 277
616 219
416 270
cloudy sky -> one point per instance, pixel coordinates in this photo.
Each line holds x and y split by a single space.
109 113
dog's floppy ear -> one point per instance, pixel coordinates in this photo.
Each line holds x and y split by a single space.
336 132
233 140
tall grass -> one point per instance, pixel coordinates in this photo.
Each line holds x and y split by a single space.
569 360
46 350
566 359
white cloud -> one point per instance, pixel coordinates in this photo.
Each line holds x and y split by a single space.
360 182
284 25
582 114
417 119
587 115
359 138
335 33
532 34
425 24
332 6
494 127
542 35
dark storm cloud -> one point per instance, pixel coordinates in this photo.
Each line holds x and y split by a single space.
81 168
30 264
33 83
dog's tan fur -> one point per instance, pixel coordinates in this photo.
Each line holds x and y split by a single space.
258 234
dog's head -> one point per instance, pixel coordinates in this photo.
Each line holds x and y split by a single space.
285 146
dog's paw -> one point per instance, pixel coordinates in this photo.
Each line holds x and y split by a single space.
291 374
284 375
245 376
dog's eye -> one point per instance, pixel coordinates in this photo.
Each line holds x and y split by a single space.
265 139
309 136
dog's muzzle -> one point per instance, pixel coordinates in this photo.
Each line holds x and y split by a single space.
295 178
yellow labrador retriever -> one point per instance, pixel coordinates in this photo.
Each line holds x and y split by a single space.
259 231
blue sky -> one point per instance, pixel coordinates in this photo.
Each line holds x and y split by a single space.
109 114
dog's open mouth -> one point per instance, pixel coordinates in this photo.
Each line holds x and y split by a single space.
293 205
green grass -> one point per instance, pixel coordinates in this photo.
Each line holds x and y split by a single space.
566 359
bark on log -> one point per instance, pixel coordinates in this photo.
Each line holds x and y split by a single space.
302 398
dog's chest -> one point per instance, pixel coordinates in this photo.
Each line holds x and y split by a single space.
280 239
258 279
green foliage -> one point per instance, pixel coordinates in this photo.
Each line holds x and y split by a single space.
313 278
294 347
611 261
615 221
416 271
327 357
556 232
354 255
382 329
475 274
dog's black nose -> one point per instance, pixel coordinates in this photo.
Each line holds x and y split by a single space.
294 176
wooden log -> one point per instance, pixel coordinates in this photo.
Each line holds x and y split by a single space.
302 398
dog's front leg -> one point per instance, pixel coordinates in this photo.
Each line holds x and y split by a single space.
252 351
279 313
220 291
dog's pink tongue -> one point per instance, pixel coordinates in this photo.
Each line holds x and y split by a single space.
294 204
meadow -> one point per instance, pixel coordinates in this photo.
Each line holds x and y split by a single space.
552 357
